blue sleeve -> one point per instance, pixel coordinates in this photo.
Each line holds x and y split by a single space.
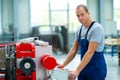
97 34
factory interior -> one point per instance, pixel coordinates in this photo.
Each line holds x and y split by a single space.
52 23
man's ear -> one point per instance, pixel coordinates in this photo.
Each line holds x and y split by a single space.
89 13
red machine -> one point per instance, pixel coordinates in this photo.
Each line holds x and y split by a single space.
25 55
28 61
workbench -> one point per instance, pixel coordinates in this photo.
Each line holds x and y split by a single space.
114 44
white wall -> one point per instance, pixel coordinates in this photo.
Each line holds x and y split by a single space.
23 16
0 19
94 9
108 10
7 14
102 10
110 25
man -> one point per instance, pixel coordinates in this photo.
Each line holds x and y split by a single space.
89 40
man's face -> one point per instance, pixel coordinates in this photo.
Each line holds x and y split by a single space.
82 15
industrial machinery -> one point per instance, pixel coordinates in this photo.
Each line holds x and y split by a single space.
2 61
31 60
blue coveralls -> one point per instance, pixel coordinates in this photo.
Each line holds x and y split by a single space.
96 68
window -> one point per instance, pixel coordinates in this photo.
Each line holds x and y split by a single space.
117 13
55 12
39 12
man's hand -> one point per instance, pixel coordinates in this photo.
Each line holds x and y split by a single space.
72 75
60 66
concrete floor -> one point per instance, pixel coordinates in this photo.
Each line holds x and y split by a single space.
113 69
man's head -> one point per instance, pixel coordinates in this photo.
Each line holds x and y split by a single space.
82 14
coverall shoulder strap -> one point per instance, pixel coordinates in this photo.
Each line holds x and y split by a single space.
89 29
80 32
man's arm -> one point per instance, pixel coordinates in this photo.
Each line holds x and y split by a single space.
71 53
87 57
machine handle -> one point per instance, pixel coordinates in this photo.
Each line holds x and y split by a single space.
48 61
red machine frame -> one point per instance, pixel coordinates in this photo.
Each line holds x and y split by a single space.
24 50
